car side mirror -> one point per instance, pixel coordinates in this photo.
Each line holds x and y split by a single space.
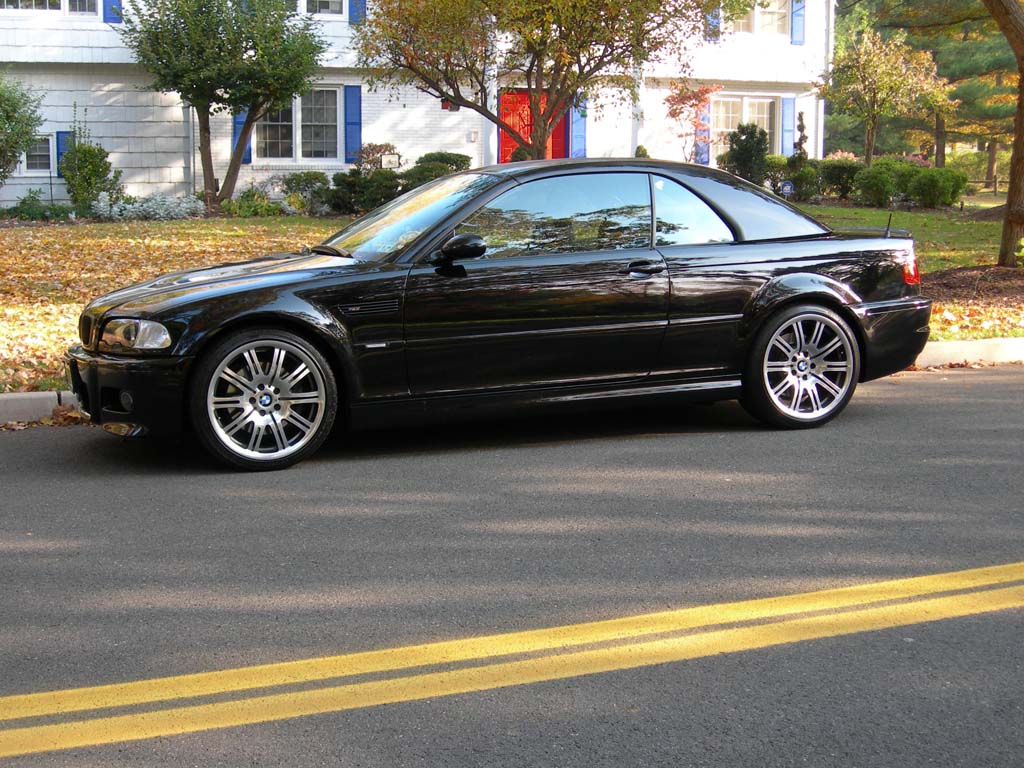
460 247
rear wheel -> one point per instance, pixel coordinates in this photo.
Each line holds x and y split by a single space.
263 399
803 368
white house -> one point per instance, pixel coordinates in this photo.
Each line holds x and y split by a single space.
69 52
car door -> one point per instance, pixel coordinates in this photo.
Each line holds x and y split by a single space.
569 290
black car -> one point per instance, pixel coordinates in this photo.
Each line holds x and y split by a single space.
561 282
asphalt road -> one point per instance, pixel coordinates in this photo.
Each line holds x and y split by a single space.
124 561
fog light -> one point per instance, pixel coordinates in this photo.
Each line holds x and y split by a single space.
127 401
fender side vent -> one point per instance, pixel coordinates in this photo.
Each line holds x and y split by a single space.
370 308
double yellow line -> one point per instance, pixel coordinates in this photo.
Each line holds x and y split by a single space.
476 664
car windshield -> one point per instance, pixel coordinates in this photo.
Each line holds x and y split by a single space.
382 234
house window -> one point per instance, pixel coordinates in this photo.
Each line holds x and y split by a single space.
729 112
771 17
30 5
274 135
325 6
82 6
37 158
320 123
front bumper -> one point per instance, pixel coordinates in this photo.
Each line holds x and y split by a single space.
895 332
156 386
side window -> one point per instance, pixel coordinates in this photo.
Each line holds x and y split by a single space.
683 218
567 214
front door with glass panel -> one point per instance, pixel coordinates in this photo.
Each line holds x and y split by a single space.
568 291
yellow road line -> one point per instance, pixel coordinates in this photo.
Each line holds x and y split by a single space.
180 720
548 639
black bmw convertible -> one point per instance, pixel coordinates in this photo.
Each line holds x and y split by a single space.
561 283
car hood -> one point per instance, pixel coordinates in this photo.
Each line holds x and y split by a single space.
174 288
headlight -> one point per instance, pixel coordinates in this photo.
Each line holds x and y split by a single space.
134 334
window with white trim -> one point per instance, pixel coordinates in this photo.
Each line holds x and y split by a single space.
39 156
730 111
336 7
320 123
64 7
274 135
772 17
309 129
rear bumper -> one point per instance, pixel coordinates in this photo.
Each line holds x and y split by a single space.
155 386
895 332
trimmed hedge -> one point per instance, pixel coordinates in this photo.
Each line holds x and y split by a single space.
837 176
875 185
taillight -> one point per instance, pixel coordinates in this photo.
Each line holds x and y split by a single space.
911 274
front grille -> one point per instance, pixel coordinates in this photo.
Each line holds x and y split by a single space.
86 329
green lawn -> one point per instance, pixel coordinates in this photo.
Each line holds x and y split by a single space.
944 239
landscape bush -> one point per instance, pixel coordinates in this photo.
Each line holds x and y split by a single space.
975 164
932 187
776 171
306 191
837 176
875 185
641 151
87 174
252 202
748 152
421 173
32 207
453 160
152 208
806 183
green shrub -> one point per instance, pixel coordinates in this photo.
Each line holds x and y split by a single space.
776 171
453 160
306 191
748 152
31 207
641 151
519 154
368 156
903 171
975 164
87 173
252 202
837 176
806 183
421 173
933 187
875 185
381 186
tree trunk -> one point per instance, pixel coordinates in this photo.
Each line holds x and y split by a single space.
539 136
1013 224
940 141
993 159
869 141
227 186
206 158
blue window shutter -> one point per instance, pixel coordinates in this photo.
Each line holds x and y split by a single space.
353 122
788 126
112 11
702 141
796 22
713 30
238 121
578 131
64 139
356 11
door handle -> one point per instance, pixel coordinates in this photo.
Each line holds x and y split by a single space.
643 269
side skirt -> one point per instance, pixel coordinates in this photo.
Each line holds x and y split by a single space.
463 407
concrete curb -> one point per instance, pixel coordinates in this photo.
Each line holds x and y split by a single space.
33 406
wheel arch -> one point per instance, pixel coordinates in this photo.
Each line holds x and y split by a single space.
777 295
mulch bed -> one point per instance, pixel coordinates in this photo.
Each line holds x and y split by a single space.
976 301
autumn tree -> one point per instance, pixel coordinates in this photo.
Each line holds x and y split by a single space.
19 121
251 56
463 51
689 105
875 78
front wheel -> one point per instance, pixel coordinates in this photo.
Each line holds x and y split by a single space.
803 368
263 399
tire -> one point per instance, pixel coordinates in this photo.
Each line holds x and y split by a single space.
803 368
262 399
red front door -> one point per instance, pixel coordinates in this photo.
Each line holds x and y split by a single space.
514 108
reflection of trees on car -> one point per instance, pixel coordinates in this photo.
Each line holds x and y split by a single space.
514 232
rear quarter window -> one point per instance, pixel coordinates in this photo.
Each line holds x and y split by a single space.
756 214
